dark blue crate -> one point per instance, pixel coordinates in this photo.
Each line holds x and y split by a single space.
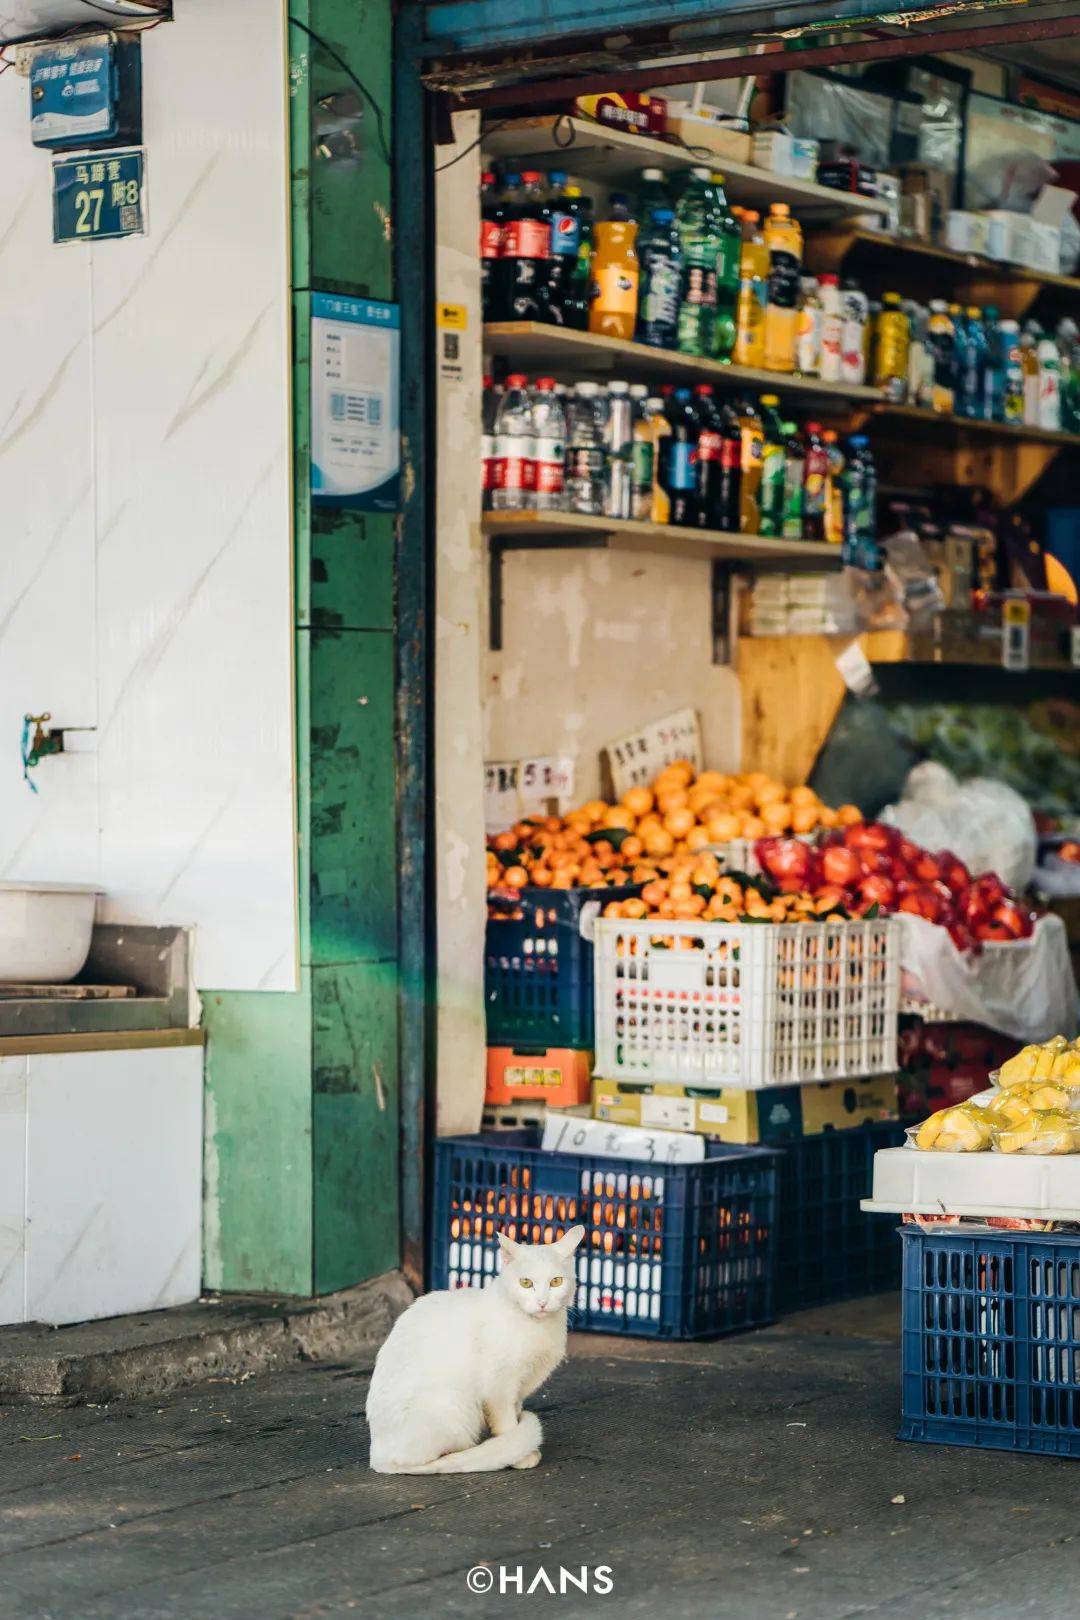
829 1248
682 1251
538 970
991 1340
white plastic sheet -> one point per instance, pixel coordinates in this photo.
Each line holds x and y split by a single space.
986 823
1024 988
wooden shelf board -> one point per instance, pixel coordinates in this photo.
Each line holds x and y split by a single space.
556 346
974 264
595 150
958 427
661 538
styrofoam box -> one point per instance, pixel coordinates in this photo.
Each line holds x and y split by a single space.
745 1004
909 1182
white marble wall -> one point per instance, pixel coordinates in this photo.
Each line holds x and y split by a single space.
145 503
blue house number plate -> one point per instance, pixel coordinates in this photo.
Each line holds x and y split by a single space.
98 196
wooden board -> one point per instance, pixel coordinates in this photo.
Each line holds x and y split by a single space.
791 694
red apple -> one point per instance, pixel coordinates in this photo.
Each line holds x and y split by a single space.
840 865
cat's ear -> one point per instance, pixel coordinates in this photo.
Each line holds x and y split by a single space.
570 1240
507 1245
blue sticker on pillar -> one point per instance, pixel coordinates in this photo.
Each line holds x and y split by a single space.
355 409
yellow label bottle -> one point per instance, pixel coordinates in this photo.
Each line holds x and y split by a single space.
752 436
753 294
614 275
783 239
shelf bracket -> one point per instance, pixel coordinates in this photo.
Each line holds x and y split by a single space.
499 545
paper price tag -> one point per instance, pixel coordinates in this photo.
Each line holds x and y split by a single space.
1016 633
568 1134
856 671
637 759
524 787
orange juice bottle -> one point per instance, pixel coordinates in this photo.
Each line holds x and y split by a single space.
614 274
753 292
783 238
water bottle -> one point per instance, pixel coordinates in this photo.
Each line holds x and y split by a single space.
514 482
619 444
1049 415
661 260
549 447
586 480
993 405
487 441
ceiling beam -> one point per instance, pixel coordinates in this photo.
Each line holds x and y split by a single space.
916 42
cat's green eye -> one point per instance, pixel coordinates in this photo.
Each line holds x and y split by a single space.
556 1282
526 1282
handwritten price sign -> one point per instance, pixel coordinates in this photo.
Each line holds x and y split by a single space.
525 787
636 760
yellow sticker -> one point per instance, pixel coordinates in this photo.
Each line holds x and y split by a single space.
1016 610
452 317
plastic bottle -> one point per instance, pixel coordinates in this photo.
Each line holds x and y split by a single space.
1012 391
753 293
783 238
834 489
613 311
860 507
487 442
942 350
808 328
1049 385
641 480
993 400
526 248
619 444
549 446
891 349
660 257
696 220
677 467
856 310
870 337
727 272
794 470
832 328
660 433
565 205
708 460
751 441
1029 360
491 217
976 365
586 462
729 501
815 472
654 195
514 482
1068 341
578 296
773 457
917 389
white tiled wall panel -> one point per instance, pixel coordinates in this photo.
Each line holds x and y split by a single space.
13 1189
144 459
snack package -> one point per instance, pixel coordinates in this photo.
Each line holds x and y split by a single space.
1057 1060
1040 1131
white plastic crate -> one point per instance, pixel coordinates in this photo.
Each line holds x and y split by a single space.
907 1181
745 1004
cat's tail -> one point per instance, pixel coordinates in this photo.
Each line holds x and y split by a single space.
501 1451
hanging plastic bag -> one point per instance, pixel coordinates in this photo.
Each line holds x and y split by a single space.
1024 988
986 823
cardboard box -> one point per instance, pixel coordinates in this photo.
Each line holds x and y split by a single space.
705 134
785 154
747 1117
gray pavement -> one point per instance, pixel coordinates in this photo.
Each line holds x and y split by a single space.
755 1478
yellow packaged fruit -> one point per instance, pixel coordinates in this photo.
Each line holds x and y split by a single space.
1021 1067
963 1129
1009 1107
1043 1131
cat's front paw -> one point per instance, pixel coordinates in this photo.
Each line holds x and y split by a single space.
530 1460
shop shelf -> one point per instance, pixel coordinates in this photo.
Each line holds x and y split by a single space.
991 1340
682 1251
940 427
573 355
746 1004
538 967
663 539
878 253
614 157
829 1247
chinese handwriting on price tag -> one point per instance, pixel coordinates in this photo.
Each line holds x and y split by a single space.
636 760
525 787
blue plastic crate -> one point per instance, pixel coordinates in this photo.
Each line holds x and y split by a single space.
538 970
829 1248
682 1251
991 1340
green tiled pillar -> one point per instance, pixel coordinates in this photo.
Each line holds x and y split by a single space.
303 1090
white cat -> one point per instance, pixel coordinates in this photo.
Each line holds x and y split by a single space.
461 1362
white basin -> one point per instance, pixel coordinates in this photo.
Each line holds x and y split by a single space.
45 931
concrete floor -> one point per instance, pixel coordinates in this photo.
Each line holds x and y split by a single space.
752 1479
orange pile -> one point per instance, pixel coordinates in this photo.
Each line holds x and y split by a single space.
660 837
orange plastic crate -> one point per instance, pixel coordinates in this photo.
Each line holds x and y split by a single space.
560 1076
